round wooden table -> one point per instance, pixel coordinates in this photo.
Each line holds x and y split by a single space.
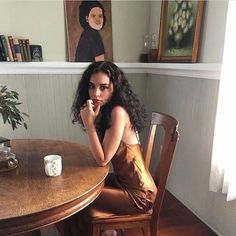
29 199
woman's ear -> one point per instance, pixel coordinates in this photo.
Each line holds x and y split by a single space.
86 19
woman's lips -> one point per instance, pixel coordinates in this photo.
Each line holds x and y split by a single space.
96 101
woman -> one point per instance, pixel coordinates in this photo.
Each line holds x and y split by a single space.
112 116
90 46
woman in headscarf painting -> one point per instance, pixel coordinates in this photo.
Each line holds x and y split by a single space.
90 47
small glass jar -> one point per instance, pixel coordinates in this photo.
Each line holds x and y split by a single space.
7 159
146 43
4 152
153 41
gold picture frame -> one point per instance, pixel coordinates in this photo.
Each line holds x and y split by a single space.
179 32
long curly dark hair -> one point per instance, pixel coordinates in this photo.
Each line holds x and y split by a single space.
122 96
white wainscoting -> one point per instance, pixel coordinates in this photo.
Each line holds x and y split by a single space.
48 99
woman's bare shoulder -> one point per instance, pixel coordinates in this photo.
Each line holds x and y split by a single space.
119 111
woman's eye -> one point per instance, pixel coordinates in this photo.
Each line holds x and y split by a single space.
100 16
90 86
103 88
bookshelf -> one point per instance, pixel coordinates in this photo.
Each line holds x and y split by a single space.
196 70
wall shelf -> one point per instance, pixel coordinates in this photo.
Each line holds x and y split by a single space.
197 70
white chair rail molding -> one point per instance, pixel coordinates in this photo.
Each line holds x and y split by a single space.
196 70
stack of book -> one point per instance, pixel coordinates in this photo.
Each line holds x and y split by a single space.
14 49
4 142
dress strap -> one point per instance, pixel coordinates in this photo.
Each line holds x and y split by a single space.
137 136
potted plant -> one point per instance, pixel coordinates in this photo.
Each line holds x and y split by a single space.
9 102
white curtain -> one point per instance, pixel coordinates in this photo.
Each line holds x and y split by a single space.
223 168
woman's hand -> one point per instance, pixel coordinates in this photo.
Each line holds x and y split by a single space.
89 113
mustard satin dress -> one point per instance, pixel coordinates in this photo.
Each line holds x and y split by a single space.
132 176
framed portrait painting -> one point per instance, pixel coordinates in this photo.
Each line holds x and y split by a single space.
180 30
89 30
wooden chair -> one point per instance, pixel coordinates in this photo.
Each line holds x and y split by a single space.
148 222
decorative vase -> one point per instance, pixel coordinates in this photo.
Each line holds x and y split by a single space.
8 159
178 36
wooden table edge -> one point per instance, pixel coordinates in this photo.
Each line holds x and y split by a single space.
28 223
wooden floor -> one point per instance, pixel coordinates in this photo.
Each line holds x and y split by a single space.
175 220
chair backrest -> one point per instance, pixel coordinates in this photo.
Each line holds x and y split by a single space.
169 139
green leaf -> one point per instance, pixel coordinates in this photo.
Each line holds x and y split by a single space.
9 102
4 88
25 125
25 114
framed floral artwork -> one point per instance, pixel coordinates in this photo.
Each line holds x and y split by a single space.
179 32
89 30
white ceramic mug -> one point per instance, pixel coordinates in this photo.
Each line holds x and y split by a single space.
53 165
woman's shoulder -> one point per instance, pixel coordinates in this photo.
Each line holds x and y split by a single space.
118 111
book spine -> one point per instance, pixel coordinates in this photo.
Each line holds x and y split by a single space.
17 49
5 48
12 48
1 53
5 141
25 50
21 49
28 49
9 48
3 56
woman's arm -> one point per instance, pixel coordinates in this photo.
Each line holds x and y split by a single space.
104 152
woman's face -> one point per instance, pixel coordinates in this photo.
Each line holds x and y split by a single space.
95 18
100 89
